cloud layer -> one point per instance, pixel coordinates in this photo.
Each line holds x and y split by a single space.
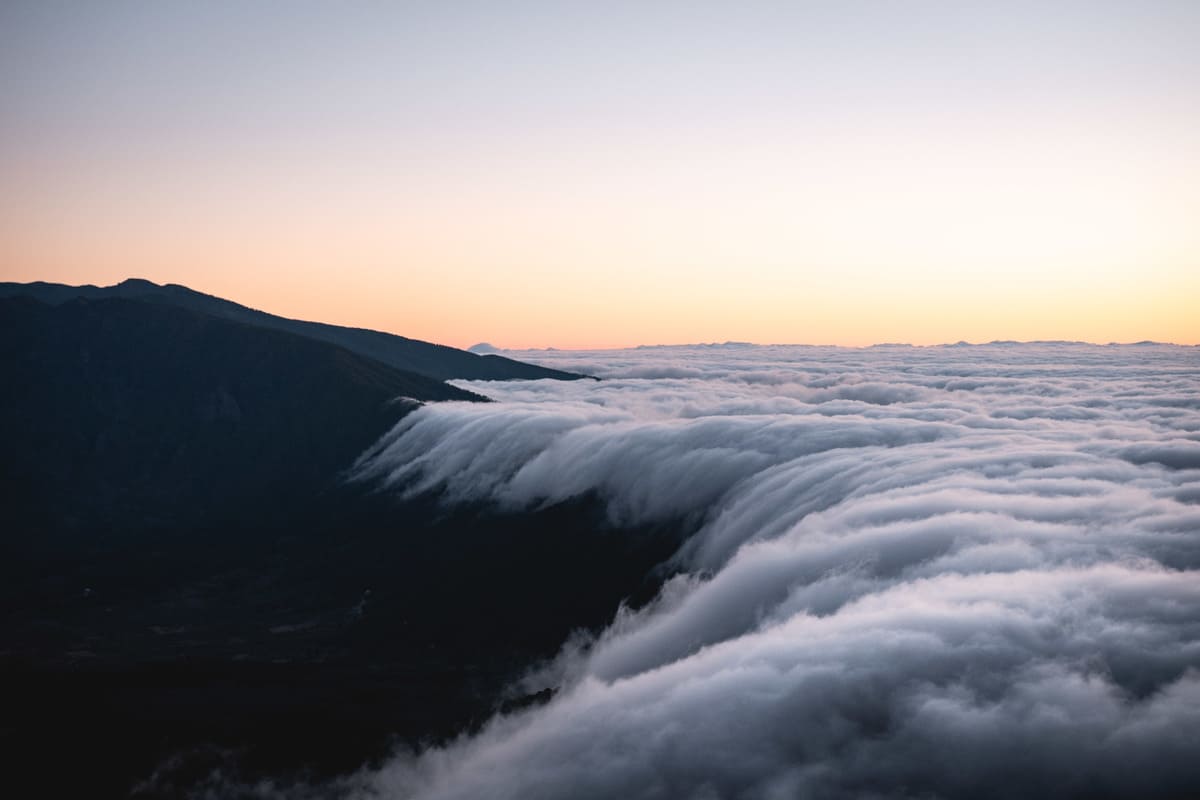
954 571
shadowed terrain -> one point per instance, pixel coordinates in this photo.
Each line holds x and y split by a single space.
432 360
187 581
137 414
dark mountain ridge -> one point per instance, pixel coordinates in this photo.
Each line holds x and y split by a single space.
432 360
187 582
124 412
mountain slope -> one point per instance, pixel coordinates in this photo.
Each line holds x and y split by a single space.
184 577
130 414
433 360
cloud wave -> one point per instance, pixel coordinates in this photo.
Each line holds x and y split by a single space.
921 572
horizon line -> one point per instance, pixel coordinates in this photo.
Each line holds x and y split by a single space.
714 345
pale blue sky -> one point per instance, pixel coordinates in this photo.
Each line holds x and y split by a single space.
668 143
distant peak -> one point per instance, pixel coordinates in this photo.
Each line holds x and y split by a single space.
138 283
483 348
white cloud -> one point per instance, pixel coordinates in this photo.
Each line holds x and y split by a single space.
959 571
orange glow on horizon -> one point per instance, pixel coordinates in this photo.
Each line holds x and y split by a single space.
1059 252
810 176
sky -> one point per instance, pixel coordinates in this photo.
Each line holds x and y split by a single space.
585 175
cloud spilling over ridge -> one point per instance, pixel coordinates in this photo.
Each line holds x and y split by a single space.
914 572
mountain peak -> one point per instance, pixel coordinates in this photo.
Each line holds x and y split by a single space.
411 355
137 283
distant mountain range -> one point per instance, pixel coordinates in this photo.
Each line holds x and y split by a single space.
432 360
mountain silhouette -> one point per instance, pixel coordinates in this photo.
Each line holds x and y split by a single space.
432 360
186 575
125 412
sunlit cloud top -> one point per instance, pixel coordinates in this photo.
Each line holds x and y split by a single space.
591 175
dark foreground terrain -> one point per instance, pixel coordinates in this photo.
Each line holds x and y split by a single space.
300 648
188 581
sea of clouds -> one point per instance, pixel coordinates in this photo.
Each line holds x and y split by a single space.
961 571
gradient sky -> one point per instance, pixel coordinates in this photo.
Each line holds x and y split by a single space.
606 174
